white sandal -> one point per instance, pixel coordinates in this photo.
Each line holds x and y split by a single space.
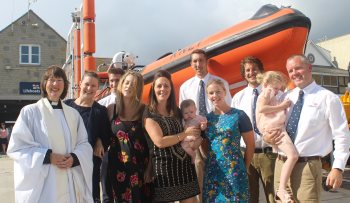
283 196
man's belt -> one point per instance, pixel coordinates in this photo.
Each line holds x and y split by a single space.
300 159
261 150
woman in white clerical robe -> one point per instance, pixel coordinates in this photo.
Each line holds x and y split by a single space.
50 148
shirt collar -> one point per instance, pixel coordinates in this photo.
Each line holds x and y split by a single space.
308 89
56 105
205 79
250 88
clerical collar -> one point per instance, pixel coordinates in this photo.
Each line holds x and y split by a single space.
56 105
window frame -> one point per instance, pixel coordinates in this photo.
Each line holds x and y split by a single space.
30 54
331 77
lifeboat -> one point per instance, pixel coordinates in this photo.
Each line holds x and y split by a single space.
272 35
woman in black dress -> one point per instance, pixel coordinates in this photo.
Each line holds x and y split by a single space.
128 152
174 174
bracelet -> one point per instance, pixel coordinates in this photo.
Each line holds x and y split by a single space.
178 137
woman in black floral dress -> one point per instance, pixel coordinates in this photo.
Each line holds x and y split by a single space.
128 152
174 174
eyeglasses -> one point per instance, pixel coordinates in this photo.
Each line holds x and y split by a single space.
52 80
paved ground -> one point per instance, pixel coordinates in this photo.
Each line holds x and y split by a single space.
6 180
7 195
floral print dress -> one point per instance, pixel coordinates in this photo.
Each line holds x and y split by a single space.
225 177
127 161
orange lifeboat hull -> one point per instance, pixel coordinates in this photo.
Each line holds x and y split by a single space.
272 35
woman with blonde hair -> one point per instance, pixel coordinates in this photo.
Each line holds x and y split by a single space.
128 152
225 176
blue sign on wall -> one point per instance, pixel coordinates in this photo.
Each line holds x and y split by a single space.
29 88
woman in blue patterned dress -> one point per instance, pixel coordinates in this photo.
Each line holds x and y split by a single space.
225 178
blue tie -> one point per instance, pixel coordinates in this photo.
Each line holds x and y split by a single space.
256 94
201 100
293 121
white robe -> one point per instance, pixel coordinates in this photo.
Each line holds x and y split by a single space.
38 128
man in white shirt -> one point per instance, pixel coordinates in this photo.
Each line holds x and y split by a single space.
191 90
322 120
263 162
114 75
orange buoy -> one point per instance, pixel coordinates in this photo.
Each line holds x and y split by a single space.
89 37
89 63
76 46
77 76
77 61
77 70
89 9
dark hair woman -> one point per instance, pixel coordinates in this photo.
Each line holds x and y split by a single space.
174 174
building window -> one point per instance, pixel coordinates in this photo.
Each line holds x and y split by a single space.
341 81
330 81
29 54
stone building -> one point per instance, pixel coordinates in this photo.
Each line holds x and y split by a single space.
27 47
326 71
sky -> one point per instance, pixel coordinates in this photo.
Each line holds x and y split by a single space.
150 28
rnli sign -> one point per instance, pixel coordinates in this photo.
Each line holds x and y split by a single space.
29 88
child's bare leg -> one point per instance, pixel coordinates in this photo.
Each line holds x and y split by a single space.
192 154
187 146
289 149
196 143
